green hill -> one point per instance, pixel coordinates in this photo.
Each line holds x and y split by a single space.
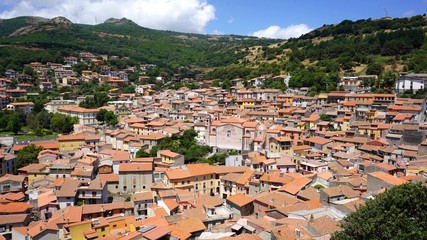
317 59
26 39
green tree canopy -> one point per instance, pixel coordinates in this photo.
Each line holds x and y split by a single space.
27 155
107 116
399 213
142 153
62 123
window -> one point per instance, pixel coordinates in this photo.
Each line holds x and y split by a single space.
228 133
259 207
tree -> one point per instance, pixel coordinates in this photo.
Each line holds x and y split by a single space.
15 123
325 117
142 153
27 155
374 69
100 115
107 116
399 213
99 99
110 118
62 123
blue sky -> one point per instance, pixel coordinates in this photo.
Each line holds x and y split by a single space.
268 18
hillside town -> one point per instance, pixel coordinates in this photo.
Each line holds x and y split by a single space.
205 162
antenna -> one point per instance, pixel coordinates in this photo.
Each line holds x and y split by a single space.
96 20
386 12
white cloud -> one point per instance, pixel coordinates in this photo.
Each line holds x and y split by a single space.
177 15
284 33
217 32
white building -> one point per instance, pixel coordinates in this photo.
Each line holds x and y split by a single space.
413 81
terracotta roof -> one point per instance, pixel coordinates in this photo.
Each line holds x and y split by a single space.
13 218
179 232
325 225
309 193
171 204
191 225
71 137
135 167
157 233
178 174
15 207
295 185
341 190
277 199
200 169
318 140
388 178
169 153
142 196
240 199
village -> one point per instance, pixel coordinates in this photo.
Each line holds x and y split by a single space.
292 166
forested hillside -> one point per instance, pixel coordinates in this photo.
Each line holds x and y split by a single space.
27 39
317 59
382 47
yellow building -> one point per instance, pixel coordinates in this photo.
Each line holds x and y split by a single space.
36 171
280 145
169 157
311 121
71 142
243 103
197 178
137 128
77 229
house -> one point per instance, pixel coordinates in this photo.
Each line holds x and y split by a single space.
171 158
71 142
25 107
135 177
382 180
93 192
86 116
53 105
112 182
45 86
38 231
13 183
67 194
7 163
278 146
267 201
142 200
240 204
47 204
192 225
313 166
318 143
341 192
412 82
10 222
